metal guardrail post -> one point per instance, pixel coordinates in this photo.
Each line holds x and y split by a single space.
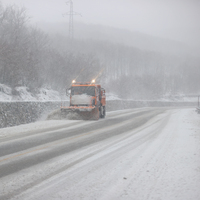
198 107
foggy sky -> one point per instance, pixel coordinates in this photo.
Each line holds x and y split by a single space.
173 19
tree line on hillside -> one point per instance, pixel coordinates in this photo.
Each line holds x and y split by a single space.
139 74
31 58
28 58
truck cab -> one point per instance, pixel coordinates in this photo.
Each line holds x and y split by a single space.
88 96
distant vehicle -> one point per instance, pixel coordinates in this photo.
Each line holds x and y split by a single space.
88 100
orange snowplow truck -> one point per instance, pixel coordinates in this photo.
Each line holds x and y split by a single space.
87 100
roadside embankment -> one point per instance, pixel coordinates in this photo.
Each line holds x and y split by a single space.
16 113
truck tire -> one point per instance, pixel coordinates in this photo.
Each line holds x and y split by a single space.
102 112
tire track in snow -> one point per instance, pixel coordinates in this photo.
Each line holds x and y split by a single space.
42 153
27 142
102 134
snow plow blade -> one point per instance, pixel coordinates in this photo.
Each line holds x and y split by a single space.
80 112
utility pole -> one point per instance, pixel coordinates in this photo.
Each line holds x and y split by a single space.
71 14
71 22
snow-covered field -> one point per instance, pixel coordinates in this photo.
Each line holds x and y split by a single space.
138 159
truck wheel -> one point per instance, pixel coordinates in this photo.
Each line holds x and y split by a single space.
104 111
101 111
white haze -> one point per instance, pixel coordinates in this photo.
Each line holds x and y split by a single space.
171 19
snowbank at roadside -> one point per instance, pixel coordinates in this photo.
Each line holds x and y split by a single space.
5 93
179 98
23 93
111 96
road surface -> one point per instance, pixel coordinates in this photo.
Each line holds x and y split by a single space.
146 153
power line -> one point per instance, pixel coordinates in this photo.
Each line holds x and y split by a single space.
71 14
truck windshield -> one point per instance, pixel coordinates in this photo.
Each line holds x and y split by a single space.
78 90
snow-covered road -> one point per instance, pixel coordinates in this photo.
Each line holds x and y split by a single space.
147 153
